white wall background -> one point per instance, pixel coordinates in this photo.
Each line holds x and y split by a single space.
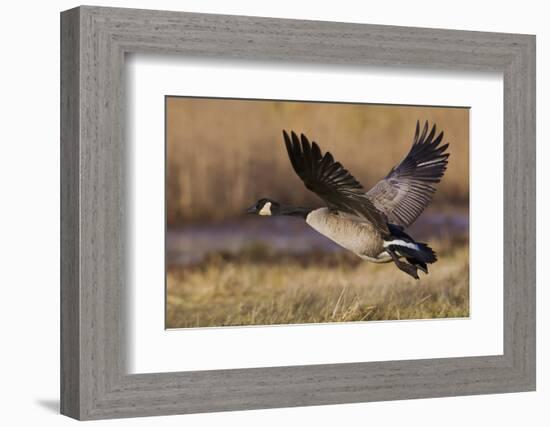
29 213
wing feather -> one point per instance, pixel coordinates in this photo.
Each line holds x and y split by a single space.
409 186
331 181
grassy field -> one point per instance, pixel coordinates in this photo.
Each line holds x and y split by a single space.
259 286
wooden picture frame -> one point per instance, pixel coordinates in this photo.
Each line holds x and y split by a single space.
94 382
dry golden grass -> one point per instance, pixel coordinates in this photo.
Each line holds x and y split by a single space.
259 287
222 155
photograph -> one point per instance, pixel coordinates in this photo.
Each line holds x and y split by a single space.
286 212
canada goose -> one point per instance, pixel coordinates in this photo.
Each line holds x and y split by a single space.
370 224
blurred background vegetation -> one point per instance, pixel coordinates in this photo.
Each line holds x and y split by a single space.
226 268
223 155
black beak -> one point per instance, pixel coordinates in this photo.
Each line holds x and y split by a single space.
251 210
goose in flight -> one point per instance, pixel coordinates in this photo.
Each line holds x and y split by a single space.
369 223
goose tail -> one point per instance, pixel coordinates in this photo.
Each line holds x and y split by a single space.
418 255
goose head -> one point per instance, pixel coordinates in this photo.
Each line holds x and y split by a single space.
265 207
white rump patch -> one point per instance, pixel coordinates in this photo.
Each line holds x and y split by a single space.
401 243
266 210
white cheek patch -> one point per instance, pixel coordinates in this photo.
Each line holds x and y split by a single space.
266 210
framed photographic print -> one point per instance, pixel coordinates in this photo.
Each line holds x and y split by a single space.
262 213
307 264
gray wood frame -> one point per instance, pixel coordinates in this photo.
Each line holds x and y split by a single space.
94 382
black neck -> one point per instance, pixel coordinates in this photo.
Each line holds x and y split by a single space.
294 211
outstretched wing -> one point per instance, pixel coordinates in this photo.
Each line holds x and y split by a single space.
406 191
331 181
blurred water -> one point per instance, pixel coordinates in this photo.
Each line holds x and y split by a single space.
190 244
